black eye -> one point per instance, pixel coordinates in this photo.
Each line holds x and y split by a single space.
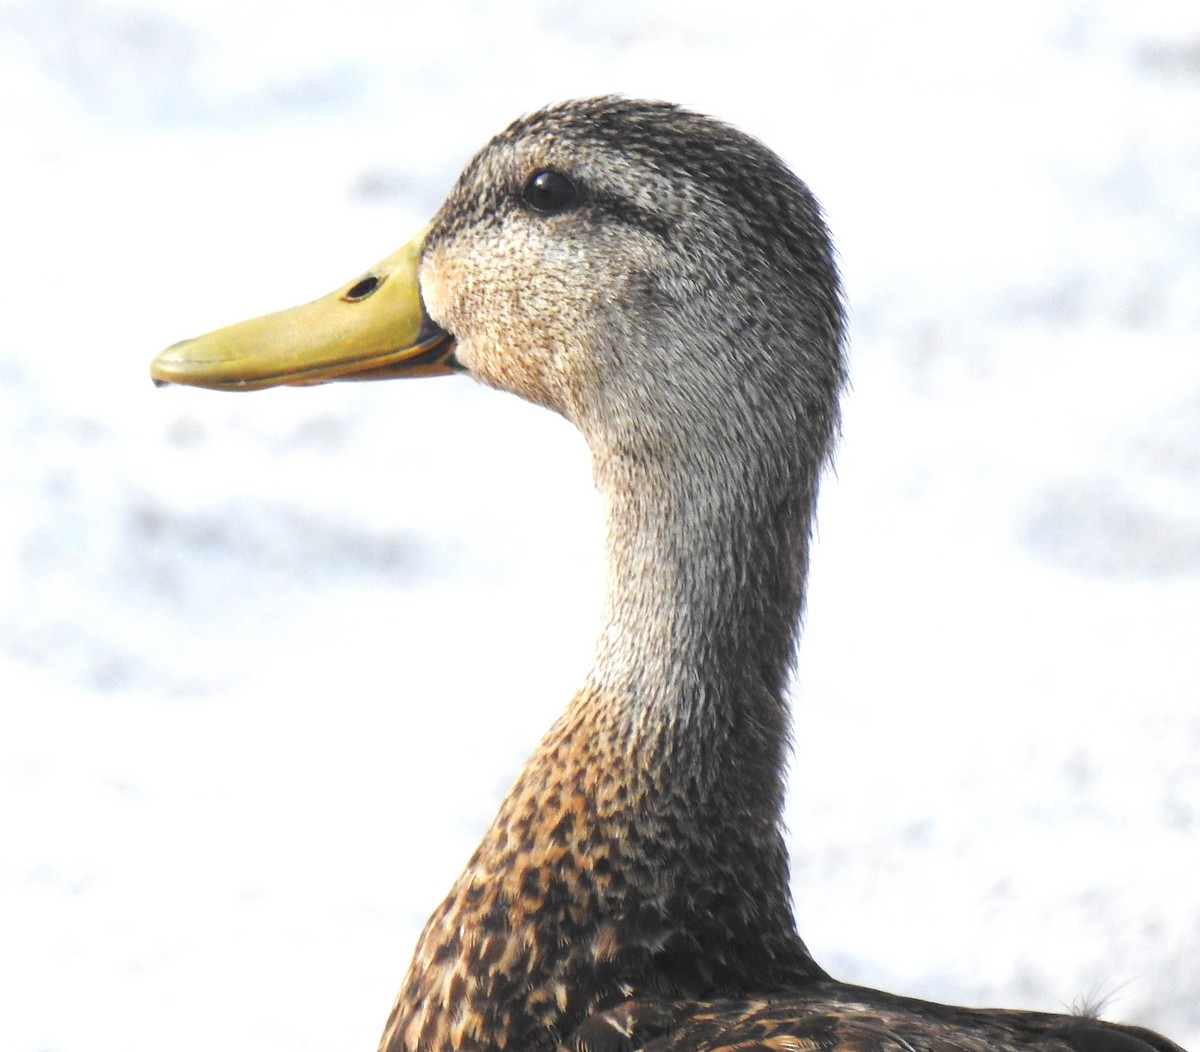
548 190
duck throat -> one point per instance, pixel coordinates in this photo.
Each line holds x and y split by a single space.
706 583
639 854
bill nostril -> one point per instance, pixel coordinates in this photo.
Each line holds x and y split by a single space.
360 290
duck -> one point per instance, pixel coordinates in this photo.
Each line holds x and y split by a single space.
666 283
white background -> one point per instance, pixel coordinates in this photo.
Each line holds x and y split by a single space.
267 663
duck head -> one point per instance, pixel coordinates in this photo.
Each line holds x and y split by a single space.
636 267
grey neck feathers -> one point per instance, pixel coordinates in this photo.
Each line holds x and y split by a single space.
705 590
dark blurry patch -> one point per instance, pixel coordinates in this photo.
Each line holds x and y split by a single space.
324 432
186 432
1092 527
1171 59
128 63
614 26
1138 515
134 67
384 185
272 539
174 601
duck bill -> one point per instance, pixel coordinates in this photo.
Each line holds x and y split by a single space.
374 328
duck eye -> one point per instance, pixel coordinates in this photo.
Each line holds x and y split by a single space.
548 190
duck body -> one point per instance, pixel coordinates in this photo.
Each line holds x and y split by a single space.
664 282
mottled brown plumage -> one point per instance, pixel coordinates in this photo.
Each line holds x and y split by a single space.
596 883
829 1016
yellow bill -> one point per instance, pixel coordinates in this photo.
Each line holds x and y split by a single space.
372 329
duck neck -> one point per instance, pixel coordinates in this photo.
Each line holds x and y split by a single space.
705 590
640 852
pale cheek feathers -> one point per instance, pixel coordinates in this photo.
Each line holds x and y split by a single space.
516 335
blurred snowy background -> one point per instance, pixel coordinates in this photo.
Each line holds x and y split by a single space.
267 663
